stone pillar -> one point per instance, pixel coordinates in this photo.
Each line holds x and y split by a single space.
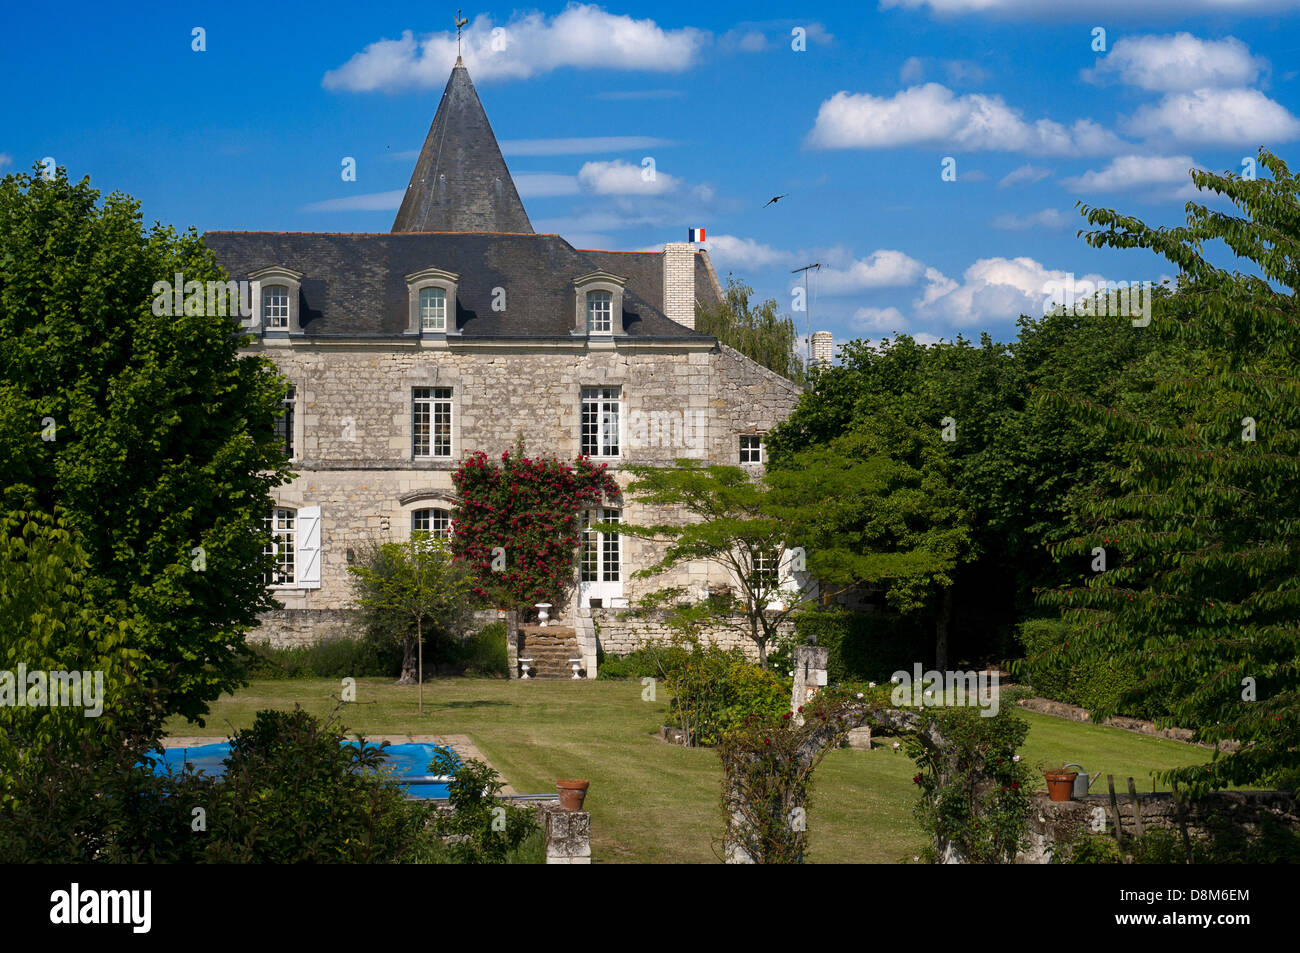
568 836
512 643
809 676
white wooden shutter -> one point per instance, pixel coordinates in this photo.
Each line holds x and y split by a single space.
309 543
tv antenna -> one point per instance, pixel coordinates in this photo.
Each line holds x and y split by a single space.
807 309
460 22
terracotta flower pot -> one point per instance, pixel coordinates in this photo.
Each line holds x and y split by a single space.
1060 784
572 794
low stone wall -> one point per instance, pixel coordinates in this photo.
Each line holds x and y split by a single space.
621 634
1053 823
294 628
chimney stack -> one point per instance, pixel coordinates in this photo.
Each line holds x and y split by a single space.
679 282
822 348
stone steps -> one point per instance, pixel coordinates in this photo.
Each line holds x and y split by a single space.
550 651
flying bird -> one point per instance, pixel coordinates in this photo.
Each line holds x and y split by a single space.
774 199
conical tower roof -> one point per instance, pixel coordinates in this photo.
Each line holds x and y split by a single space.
460 182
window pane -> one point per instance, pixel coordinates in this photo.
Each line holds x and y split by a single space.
600 311
433 309
282 525
284 423
275 306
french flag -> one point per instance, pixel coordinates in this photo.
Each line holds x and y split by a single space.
695 234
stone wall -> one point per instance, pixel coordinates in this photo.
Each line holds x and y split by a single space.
620 633
1053 823
285 629
353 434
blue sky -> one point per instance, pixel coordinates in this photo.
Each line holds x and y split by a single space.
251 132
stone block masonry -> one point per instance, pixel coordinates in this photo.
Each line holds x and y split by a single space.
354 440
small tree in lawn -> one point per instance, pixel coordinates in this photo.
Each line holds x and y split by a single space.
413 587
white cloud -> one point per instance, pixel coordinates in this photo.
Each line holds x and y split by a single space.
1026 174
883 268
1042 9
1242 117
925 338
932 114
879 320
992 289
745 252
545 184
912 70
841 271
965 72
1178 62
580 146
1046 218
369 202
1129 172
5 159
624 178
583 36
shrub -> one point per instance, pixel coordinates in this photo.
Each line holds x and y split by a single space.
867 646
330 658
714 689
975 792
481 829
638 664
1057 673
484 652
294 793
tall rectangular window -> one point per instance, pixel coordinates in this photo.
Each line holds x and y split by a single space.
282 527
600 312
601 554
284 423
275 306
433 309
766 566
431 422
599 437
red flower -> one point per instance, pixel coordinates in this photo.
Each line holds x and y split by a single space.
916 780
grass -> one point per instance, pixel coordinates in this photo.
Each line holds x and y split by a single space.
656 803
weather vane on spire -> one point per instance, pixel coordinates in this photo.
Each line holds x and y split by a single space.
460 22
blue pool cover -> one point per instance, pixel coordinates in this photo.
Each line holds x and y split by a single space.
408 762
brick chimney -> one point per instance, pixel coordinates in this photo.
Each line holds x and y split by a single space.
822 348
679 282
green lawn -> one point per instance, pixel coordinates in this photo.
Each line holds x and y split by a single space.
655 803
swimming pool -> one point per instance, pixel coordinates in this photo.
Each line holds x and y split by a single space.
408 762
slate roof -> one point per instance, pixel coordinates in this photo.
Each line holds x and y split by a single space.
460 182
354 284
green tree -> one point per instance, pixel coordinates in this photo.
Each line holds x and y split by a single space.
760 332
414 587
149 434
1199 591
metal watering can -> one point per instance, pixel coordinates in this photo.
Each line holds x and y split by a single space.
1082 782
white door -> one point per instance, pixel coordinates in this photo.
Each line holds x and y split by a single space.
600 571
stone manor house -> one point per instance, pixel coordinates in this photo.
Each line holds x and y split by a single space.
461 330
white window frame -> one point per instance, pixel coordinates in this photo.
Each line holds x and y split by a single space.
304 535
583 289
605 400
433 402
433 319
276 276
760 450
601 560
431 278
600 312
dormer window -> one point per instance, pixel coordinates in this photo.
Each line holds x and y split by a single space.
599 304
433 309
432 301
600 312
275 307
275 298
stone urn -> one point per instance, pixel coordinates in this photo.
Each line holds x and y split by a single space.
543 613
572 794
1060 784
